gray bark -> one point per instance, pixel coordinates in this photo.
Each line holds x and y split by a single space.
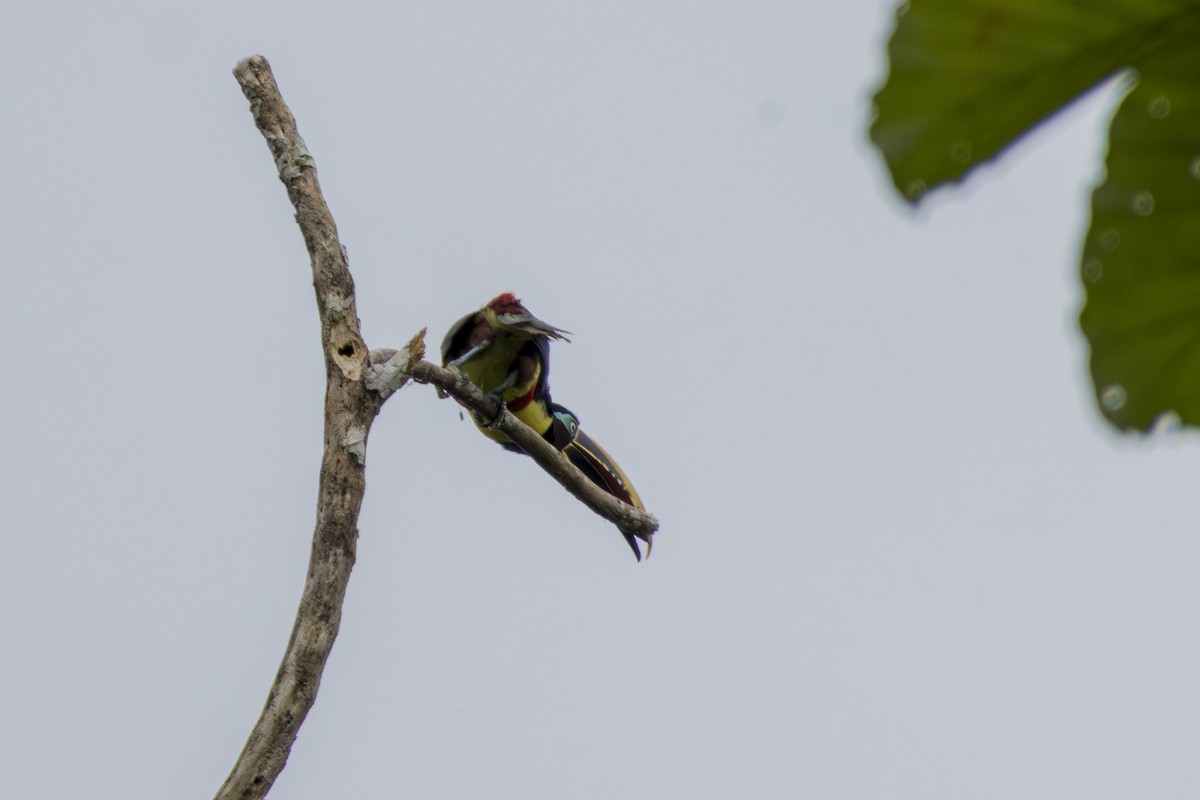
357 384
349 411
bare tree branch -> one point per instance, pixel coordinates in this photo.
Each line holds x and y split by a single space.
389 369
627 518
357 384
350 408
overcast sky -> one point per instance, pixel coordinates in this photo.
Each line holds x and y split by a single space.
900 557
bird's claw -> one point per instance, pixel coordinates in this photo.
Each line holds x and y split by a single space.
495 422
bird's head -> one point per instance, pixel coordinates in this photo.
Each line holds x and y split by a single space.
506 303
505 312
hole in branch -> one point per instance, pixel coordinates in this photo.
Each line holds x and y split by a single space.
346 350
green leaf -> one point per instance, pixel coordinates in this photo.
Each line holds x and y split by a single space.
969 77
1141 255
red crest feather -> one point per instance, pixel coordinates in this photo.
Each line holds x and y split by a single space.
506 303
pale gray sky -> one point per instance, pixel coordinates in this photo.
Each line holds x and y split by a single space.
899 558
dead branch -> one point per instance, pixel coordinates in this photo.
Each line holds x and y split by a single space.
357 384
349 411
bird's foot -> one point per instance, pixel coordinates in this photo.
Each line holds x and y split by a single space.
494 423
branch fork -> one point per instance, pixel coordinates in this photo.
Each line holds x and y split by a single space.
358 382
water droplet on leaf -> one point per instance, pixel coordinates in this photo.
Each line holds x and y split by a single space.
916 188
1110 238
1159 107
1112 397
960 152
1165 424
1092 269
1143 204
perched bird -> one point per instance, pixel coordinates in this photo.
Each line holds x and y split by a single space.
505 351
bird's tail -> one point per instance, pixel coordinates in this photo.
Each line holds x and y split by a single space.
595 462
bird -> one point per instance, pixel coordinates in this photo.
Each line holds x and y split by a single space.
505 351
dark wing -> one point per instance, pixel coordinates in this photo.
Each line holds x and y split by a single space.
600 468
539 347
605 472
455 342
